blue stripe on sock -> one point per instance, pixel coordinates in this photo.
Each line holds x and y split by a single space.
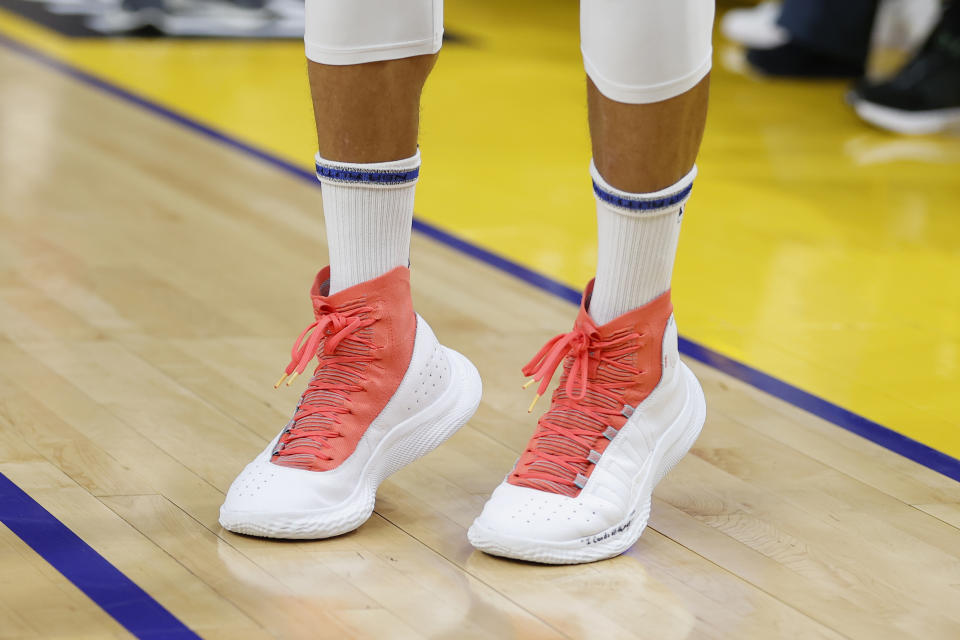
372 177
640 204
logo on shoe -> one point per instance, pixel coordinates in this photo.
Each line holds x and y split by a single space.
600 537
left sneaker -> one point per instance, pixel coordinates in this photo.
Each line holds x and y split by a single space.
625 412
383 394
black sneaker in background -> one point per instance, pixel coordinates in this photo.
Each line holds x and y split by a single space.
795 60
924 96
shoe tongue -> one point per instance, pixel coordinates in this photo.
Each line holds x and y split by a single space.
627 321
614 370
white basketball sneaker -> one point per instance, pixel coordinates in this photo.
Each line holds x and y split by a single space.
625 412
384 393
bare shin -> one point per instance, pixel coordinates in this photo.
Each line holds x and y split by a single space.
643 148
368 112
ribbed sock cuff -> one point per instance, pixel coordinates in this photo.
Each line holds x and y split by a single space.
657 201
395 173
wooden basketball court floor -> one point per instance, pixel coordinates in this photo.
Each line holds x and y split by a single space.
151 281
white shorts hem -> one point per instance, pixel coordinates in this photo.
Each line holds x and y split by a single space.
646 94
373 53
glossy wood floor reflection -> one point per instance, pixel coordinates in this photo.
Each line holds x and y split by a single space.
151 282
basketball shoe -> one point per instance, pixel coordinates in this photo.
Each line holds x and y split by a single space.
625 411
384 393
924 96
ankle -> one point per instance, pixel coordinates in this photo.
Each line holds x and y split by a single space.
368 210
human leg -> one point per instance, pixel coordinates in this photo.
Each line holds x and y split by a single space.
640 148
626 409
825 39
367 118
384 391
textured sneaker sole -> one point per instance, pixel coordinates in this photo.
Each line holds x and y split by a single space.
404 443
667 452
908 122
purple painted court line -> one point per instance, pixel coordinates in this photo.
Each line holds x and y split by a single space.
89 571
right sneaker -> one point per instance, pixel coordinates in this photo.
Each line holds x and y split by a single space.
625 412
755 27
384 393
924 96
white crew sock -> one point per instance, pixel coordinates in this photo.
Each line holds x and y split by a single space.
637 242
368 209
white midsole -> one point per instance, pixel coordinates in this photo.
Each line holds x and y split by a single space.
907 122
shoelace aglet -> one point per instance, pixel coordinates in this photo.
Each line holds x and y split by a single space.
528 383
293 376
280 381
535 398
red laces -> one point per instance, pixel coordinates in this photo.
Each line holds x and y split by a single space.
330 323
543 365
345 351
586 406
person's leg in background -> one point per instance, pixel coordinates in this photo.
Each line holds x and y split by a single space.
826 39
384 391
905 22
626 409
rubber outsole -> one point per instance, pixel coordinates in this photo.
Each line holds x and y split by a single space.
403 444
667 452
